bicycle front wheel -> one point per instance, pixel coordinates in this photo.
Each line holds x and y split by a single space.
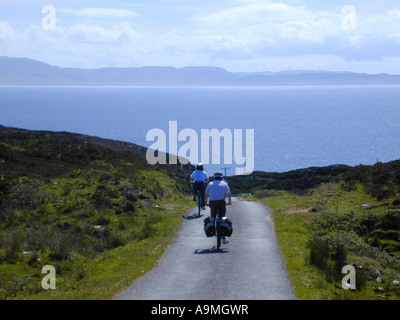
198 204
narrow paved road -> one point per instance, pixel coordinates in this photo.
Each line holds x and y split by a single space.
249 267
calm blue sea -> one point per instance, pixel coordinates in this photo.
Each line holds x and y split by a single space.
295 127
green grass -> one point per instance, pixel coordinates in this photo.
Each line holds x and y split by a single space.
297 217
292 235
96 275
101 261
108 273
97 212
92 208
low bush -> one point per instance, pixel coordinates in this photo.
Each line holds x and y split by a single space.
10 244
361 234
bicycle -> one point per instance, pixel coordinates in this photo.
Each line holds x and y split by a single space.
220 227
218 232
198 201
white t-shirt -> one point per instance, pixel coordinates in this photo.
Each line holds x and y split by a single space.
217 190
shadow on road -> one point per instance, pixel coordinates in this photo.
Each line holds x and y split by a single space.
193 217
212 250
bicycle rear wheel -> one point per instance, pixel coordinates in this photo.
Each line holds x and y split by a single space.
198 203
219 236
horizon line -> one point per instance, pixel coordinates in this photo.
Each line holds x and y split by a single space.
207 66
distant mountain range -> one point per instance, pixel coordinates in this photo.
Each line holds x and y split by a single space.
22 71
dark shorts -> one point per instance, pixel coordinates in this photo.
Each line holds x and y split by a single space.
199 186
218 207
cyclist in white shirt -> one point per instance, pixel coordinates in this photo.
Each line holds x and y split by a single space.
215 196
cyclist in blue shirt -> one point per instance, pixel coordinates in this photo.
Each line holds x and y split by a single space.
199 178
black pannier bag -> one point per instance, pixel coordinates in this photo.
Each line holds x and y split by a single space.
226 227
209 228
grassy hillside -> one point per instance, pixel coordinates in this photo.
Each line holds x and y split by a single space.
301 179
92 208
352 220
96 211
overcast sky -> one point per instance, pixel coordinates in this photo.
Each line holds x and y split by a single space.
238 35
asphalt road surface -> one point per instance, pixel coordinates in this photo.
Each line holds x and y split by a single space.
249 267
